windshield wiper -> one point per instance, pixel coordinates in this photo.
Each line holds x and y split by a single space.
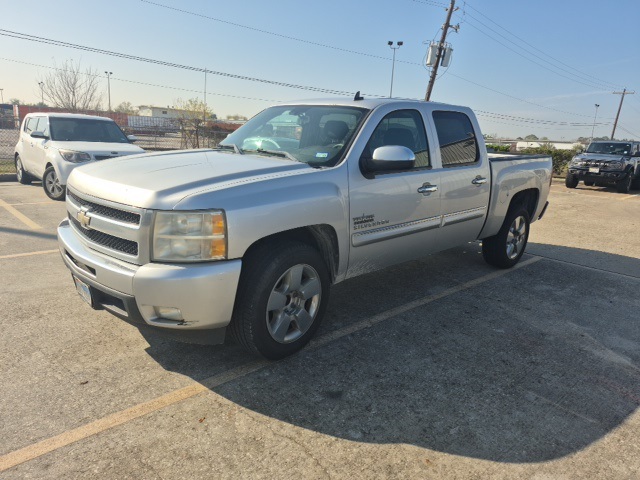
279 153
230 146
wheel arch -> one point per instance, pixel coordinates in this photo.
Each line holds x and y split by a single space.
528 199
322 237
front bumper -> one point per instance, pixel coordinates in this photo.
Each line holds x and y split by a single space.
603 176
204 293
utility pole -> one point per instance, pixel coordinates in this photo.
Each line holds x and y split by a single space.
623 93
594 121
109 86
434 70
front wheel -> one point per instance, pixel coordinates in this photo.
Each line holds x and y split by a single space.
52 186
623 186
571 181
504 249
282 296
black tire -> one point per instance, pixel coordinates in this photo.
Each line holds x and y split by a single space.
22 176
589 183
51 185
623 186
268 280
571 181
505 249
636 182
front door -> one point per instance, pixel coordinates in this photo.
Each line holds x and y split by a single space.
395 215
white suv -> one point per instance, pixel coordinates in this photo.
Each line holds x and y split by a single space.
51 145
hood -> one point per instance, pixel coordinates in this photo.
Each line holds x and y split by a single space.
160 181
599 157
99 148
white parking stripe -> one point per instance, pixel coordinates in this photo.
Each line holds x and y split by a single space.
628 197
51 444
29 254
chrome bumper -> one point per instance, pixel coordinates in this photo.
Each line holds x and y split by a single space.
204 293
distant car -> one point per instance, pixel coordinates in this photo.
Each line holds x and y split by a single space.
607 163
51 145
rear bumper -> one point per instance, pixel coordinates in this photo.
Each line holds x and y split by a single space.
204 293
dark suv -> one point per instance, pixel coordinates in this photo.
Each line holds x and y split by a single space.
607 163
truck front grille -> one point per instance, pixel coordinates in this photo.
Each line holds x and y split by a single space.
120 215
108 241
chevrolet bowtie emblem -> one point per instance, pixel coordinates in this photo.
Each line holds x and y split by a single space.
83 218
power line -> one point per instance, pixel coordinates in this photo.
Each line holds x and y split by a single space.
547 56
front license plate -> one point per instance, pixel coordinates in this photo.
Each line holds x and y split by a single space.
594 170
83 290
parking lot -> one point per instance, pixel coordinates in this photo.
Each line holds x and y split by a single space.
443 368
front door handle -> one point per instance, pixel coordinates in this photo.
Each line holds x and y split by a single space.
479 180
427 189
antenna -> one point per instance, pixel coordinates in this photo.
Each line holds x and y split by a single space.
358 96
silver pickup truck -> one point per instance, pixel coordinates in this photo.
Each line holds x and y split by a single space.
250 236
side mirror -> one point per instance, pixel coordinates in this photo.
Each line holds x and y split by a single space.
132 138
39 135
392 157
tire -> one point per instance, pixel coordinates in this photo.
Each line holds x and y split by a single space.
505 249
623 186
571 181
589 183
52 186
22 176
636 182
281 299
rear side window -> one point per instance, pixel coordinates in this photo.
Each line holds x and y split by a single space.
458 144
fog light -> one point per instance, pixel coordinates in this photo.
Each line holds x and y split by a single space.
169 313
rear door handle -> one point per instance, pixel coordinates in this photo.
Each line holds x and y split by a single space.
427 189
479 180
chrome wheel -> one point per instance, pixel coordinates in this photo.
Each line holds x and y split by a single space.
516 237
293 303
52 184
19 171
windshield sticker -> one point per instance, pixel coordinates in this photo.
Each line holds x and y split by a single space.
322 155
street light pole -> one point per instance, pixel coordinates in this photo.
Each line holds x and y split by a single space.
109 86
1 95
41 92
594 121
393 65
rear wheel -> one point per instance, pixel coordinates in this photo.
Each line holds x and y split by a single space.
282 296
504 249
22 176
623 186
52 186
571 181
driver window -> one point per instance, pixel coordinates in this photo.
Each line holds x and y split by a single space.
404 128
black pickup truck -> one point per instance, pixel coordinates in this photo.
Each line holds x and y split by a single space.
607 163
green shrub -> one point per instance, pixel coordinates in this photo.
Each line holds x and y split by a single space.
561 158
498 148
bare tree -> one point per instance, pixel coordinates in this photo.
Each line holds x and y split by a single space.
72 89
193 114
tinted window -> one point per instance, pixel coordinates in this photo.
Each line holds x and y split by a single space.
404 128
458 145
86 130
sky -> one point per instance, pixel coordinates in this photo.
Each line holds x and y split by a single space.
524 67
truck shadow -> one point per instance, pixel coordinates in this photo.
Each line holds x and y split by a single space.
527 367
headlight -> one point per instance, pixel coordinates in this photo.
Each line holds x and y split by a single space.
615 165
75 157
576 161
189 236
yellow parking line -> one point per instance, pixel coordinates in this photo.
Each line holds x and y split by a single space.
630 196
29 254
30 452
23 218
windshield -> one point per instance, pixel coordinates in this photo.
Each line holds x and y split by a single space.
316 135
86 130
610 148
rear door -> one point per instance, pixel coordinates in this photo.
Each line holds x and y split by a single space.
28 155
465 176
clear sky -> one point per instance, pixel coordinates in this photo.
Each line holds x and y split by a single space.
566 56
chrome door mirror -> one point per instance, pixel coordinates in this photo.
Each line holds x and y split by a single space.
392 157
